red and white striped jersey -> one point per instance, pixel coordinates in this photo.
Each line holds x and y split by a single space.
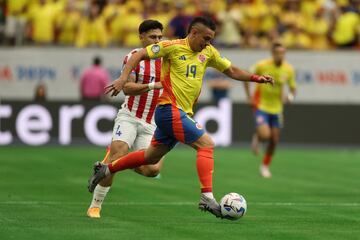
143 106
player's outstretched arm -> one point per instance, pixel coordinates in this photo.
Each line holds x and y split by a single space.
291 96
241 75
116 87
134 89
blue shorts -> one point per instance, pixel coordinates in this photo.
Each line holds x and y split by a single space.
173 126
273 120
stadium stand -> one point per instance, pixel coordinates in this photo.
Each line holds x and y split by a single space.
312 24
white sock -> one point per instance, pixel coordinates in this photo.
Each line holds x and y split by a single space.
208 194
99 196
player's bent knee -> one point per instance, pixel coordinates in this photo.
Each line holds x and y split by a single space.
204 141
264 135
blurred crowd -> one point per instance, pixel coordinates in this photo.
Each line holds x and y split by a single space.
307 24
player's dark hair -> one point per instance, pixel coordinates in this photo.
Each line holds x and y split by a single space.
206 21
276 44
97 60
150 24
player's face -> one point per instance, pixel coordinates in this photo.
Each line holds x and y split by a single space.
150 37
202 38
279 54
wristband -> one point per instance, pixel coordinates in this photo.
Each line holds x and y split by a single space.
255 78
151 86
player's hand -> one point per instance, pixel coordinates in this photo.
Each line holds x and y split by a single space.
114 88
262 79
158 85
289 98
267 79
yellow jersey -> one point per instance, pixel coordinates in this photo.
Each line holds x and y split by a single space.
268 98
182 71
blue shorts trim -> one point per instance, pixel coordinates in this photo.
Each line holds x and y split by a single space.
174 125
273 120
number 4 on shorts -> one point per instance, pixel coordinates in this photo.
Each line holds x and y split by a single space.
118 132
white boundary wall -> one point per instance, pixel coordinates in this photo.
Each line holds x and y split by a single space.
323 77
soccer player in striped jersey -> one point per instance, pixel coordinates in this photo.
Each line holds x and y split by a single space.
134 124
268 103
183 67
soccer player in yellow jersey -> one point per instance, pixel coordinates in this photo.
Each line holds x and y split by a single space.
268 102
183 67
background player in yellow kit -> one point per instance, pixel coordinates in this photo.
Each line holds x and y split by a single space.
183 67
268 102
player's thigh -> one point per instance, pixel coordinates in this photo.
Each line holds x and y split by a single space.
205 141
145 133
262 124
264 131
125 129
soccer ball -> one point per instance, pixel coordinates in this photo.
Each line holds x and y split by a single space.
233 206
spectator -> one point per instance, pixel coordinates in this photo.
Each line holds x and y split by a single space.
42 21
296 38
229 33
179 23
67 24
40 93
318 29
93 81
92 29
346 28
115 13
163 12
15 23
131 22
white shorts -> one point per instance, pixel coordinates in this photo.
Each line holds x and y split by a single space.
135 132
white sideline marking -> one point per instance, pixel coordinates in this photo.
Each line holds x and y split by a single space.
354 204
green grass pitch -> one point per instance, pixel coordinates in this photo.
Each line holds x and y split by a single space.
314 194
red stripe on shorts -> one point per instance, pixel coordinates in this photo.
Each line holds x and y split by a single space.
177 124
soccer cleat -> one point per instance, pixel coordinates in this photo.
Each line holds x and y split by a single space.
98 175
93 212
265 172
255 144
210 205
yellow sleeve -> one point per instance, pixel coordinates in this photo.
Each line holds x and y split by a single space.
160 49
292 81
218 62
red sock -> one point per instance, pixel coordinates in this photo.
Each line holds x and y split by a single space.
267 159
205 168
131 160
